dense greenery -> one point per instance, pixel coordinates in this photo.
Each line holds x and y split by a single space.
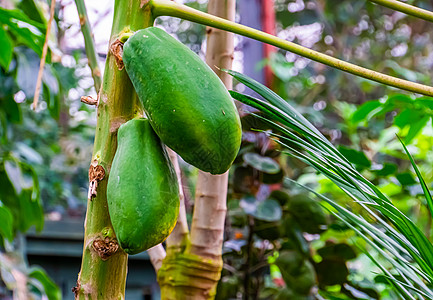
276 231
43 154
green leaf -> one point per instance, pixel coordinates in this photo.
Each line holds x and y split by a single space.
51 96
6 223
21 195
262 163
356 157
19 26
31 212
6 49
397 100
274 99
8 194
14 15
13 171
403 72
416 128
268 210
408 117
398 237
406 179
12 109
36 193
281 67
340 251
396 283
3 127
426 102
50 289
425 189
387 169
297 272
249 205
332 272
308 213
32 11
366 111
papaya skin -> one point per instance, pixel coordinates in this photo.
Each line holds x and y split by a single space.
187 104
142 189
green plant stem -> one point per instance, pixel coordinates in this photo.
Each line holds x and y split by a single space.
104 278
169 8
406 8
89 44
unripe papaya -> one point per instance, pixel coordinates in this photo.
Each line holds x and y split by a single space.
142 189
187 104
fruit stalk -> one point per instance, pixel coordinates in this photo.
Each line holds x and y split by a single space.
104 264
170 8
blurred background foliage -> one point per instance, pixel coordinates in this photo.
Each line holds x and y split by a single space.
280 243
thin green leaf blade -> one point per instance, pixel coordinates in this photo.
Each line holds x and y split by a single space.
424 186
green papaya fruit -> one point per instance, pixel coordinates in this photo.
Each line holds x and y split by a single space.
142 188
187 104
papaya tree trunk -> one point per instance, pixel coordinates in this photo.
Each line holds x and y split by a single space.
193 271
211 190
104 264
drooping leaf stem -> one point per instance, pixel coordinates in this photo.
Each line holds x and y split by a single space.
170 8
406 8
89 43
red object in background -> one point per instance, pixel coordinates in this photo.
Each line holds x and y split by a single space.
268 26
279 282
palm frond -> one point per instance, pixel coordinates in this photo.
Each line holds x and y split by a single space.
394 235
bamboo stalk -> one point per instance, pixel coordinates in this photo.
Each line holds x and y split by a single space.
407 9
104 264
89 43
169 8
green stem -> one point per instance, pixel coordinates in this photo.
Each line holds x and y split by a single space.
89 43
169 8
406 8
104 264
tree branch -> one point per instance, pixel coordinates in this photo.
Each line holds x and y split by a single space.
406 8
